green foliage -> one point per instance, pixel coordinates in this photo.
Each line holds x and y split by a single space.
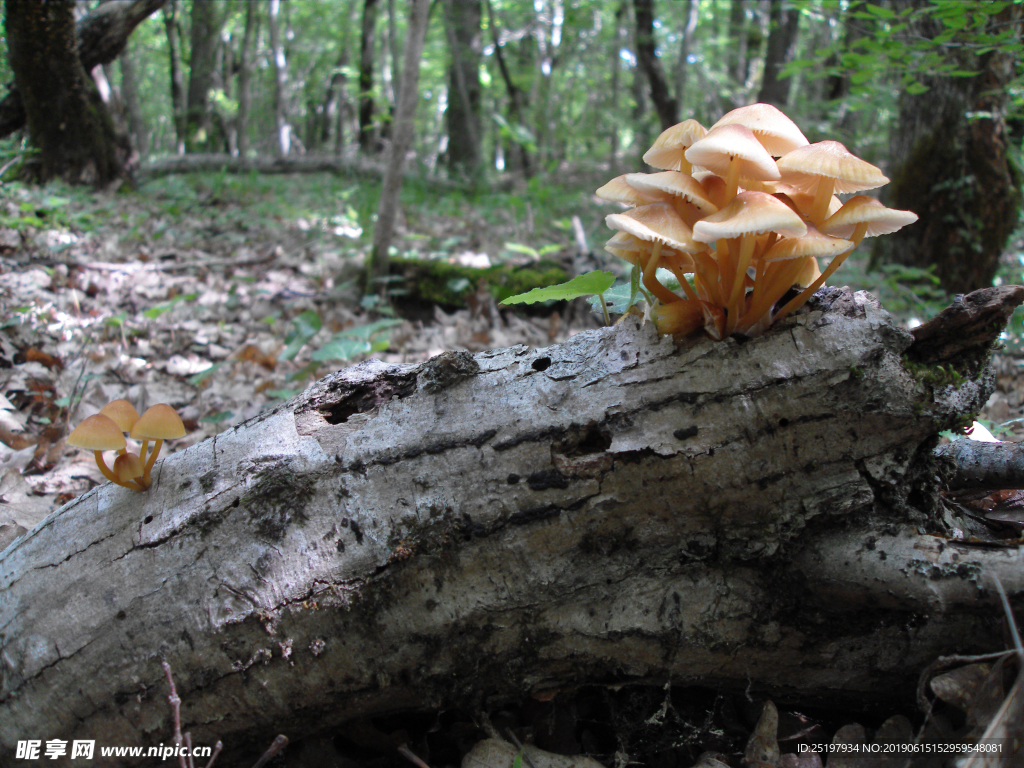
582 285
357 340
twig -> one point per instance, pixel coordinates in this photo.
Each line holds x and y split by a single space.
411 756
176 709
272 751
216 751
1009 619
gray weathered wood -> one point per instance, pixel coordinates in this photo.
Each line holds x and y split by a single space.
618 507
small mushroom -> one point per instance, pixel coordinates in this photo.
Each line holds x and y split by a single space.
123 414
825 168
776 132
739 223
160 422
734 153
687 196
862 216
668 150
660 225
129 470
99 433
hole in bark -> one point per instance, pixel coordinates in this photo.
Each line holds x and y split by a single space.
360 399
149 519
783 422
541 363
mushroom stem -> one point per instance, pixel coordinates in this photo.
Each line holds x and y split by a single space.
822 197
798 301
107 471
777 281
150 461
142 448
685 166
707 271
684 283
732 182
650 281
747 243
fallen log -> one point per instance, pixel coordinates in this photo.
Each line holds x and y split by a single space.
618 508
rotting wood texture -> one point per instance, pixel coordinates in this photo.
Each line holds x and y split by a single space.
618 508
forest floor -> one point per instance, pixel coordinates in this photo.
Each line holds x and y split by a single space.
224 295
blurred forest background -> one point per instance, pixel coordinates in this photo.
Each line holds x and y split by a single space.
226 272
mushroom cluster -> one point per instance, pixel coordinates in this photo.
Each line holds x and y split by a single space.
105 431
740 214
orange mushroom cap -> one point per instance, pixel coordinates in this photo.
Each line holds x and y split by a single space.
97 433
159 422
123 414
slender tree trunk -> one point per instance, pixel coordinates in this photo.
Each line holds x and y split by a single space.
615 60
367 135
690 15
246 68
785 23
664 103
738 62
516 97
280 66
401 142
955 170
67 121
172 14
199 124
462 27
133 105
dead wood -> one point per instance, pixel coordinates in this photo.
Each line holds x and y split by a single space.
618 508
312 163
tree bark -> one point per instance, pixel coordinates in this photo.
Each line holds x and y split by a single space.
68 123
474 529
367 137
785 22
401 142
664 103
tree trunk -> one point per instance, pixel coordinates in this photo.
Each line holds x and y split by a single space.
785 23
101 36
246 68
201 134
737 49
462 27
367 135
956 172
67 121
280 65
664 103
132 105
401 142
476 529
172 14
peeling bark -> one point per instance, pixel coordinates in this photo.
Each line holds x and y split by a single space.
618 508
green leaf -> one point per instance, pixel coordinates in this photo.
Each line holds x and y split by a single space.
304 327
341 349
200 377
583 285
